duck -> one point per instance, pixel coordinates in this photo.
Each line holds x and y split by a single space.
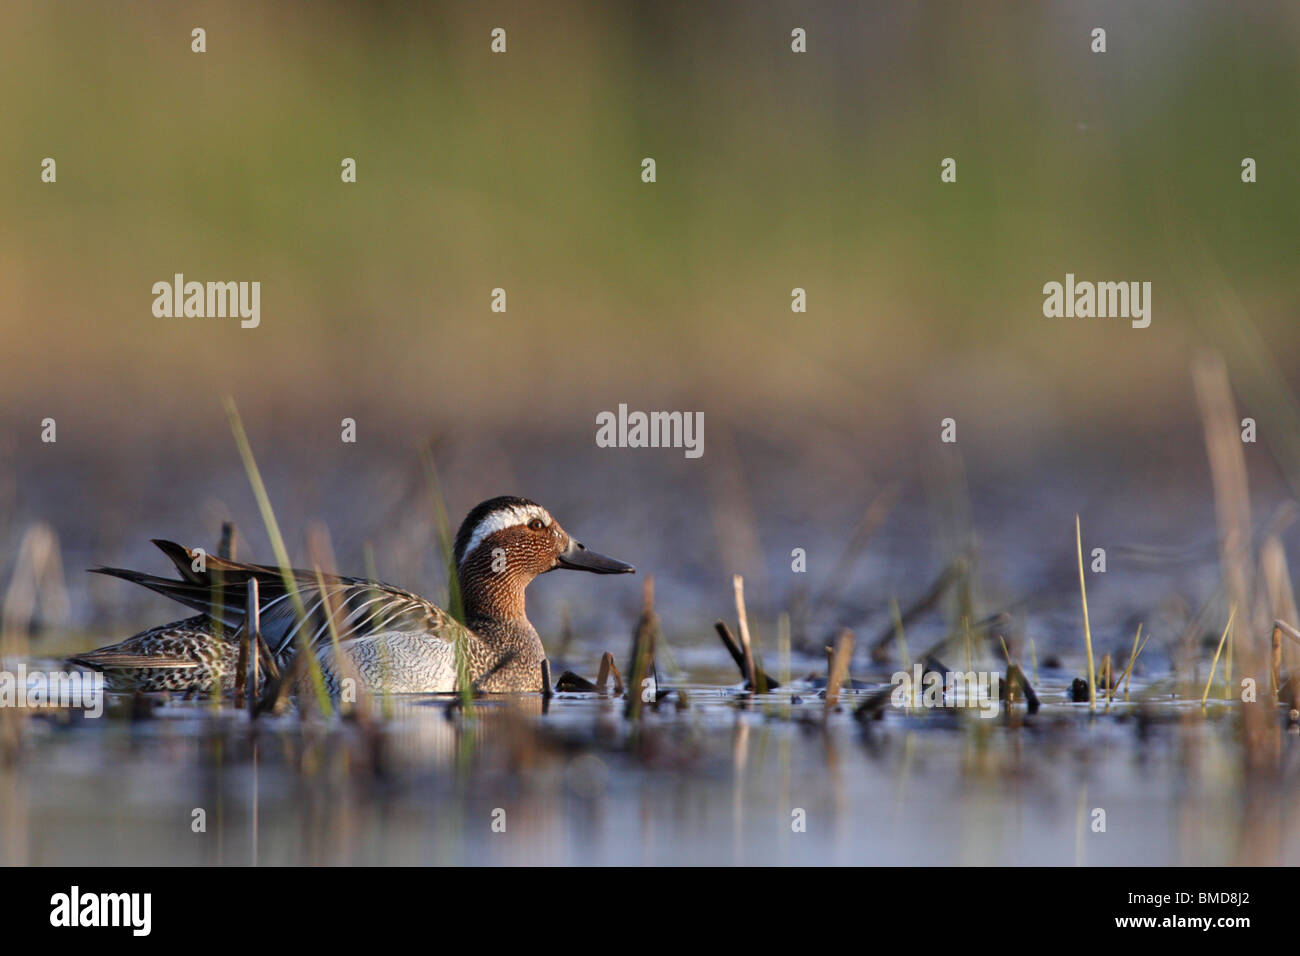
391 640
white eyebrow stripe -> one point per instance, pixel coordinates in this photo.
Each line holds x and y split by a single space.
507 517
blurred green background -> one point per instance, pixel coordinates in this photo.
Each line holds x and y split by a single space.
522 171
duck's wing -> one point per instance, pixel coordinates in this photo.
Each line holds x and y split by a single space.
355 607
180 645
351 610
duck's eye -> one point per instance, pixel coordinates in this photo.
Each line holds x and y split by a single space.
537 524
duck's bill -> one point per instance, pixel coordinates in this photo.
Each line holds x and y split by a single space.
577 558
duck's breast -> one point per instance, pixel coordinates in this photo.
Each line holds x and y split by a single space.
395 662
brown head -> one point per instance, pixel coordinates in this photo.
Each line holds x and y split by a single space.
503 544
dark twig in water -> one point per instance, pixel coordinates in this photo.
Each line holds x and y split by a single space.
571 683
729 642
873 705
1016 679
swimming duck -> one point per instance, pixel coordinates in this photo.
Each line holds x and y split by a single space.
392 640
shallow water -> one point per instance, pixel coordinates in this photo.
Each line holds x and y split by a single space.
721 781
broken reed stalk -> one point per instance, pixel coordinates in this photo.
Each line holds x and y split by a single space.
1287 629
738 585
737 655
248 643
1016 677
281 556
1215 663
839 668
1128 670
607 669
1087 629
643 651
1282 629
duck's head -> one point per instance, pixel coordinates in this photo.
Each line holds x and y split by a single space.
505 542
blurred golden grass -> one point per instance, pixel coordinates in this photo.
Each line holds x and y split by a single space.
520 171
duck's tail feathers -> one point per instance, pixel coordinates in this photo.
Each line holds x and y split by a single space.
220 590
